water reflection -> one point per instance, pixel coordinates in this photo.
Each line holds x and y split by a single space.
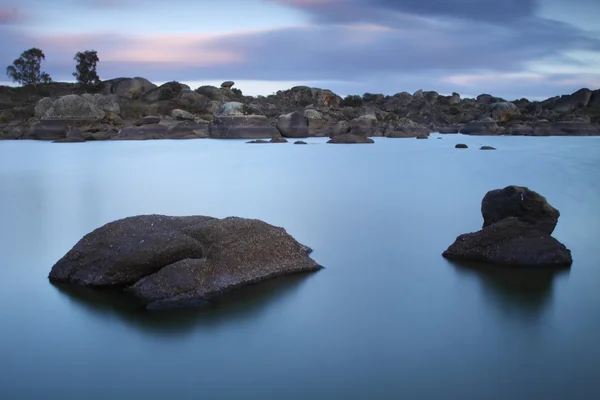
247 302
521 293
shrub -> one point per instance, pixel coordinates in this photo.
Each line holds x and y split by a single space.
352 101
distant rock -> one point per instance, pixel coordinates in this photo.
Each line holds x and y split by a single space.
131 88
187 130
278 140
485 126
349 138
182 115
364 125
227 84
165 92
258 141
242 127
72 107
448 129
232 109
516 231
580 98
293 125
70 140
461 146
166 262
503 111
487 148
340 128
406 128
148 120
145 132
300 142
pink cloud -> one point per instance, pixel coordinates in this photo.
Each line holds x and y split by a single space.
10 15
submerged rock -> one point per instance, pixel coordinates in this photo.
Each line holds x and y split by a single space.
487 148
349 138
461 146
516 231
166 261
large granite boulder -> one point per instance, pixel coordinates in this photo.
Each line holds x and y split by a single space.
406 128
580 98
107 103
167 262
502 111
164 92
242 127
485 126
48 130
293 125
516 231
232 109
131 88
521 203
510 242
71 107
364 125
187 130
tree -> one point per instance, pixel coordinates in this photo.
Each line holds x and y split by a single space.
86 67
26 69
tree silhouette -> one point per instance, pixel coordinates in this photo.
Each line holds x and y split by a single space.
26 69
86 67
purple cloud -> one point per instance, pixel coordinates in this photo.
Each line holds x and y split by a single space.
10 14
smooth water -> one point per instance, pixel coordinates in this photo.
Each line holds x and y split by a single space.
387 318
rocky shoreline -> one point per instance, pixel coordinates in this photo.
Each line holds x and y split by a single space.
136 109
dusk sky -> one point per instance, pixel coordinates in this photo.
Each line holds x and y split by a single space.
508 48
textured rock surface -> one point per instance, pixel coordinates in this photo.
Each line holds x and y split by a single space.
349 138
521 203
510 242
167 261
293 125
516 231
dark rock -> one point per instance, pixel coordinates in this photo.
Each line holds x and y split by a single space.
144 132
168 262
503 111
448 129
73 139
186 130
340 128
300 142
242 127
258 141
519 130
510 242
227 84
461 146
48 130
167 91
519 202
422 137
486 126
364 125
349 138
293 125
149 120
406 128
580 98
278 140
487 148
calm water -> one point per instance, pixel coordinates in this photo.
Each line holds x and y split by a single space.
387 318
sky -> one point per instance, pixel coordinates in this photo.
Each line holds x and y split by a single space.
508 48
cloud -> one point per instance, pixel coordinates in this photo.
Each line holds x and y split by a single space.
10 15
390 10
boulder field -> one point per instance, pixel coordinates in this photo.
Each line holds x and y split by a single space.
136 109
